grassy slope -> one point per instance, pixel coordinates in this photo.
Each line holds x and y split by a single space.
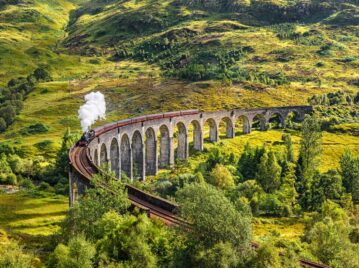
133 88
23 214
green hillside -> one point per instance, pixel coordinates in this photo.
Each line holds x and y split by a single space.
150 56
297 188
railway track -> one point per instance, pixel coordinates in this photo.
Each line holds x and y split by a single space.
154 206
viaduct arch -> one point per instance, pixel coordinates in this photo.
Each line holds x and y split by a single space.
139 147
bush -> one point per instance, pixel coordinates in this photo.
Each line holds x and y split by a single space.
8 113
42 75
26 183
12 256
44 186
2 124
221 177
37 128
8 178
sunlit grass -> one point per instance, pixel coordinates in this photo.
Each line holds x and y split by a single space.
24 214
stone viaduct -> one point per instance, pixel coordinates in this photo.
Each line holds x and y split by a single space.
147 143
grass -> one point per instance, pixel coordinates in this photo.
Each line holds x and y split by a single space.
333 146
289 229
25 215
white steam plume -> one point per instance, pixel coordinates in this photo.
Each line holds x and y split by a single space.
94 109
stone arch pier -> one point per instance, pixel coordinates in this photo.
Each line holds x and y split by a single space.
139 147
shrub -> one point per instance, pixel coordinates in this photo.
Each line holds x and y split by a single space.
12 256
26 183
221 177
44 186
42 75
8 113
11 179
37 128
2 124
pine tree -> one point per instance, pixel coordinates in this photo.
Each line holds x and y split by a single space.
349 170
268 172
308 161
287 138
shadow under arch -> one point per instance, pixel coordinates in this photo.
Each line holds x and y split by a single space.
137 155
164 144
182 141
242 125
115 157
213 130
151 152
125 149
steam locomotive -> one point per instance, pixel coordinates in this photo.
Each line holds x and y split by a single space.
85 138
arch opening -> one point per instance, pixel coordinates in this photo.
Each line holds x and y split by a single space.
276 121
259 122
137 155
125 148
151 152
164 144
182 141
211 131
226 127
103 155
195 136
293 120
95 157
242 125
115 157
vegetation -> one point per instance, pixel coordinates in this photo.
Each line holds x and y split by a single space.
297 189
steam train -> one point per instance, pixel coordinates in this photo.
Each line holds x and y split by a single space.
89 135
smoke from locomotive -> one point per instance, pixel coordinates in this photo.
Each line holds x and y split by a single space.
94 109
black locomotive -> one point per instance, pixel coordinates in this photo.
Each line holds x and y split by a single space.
85 138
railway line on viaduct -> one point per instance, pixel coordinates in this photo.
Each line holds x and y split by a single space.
147 143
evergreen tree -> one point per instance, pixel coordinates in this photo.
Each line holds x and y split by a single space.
308 161
250 158
62 156
289 147
349 170
268 172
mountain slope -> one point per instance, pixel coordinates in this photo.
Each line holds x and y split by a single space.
264 44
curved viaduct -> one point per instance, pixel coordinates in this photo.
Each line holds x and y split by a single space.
140 148
132 143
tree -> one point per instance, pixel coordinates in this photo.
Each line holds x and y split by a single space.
310 147
308 161
267 256
106 194
68 140
287 139
349 169
221 255
2 125
8 113
214 218
247 164
221 177
328 237
326 186
133 241
268 172
78 254
42 75
287 193
13 256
